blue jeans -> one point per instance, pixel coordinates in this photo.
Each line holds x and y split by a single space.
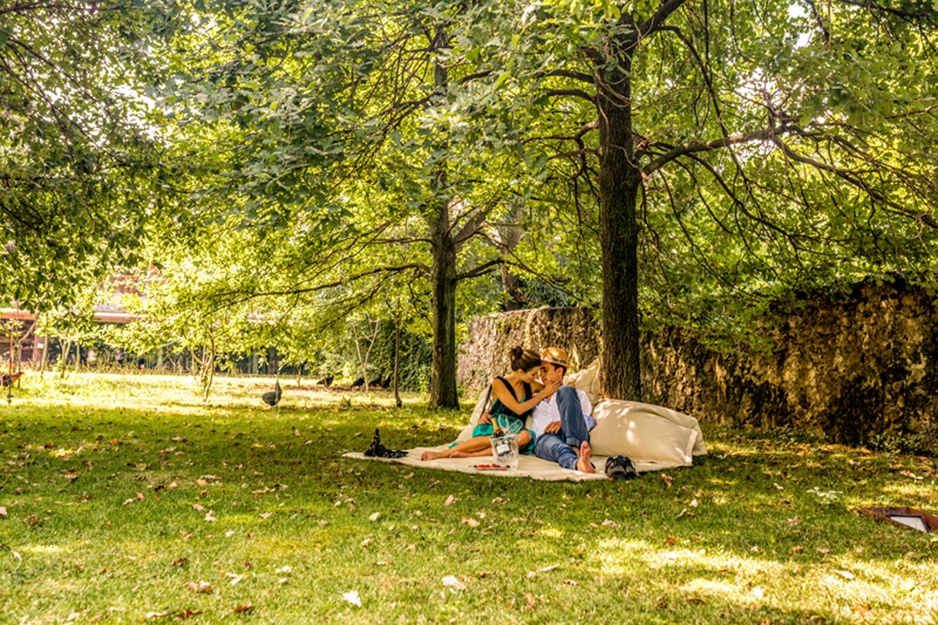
559 447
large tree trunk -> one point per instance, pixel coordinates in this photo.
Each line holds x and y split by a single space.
443 392
619 183
443 279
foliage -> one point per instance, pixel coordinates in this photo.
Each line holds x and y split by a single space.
79 164
296 526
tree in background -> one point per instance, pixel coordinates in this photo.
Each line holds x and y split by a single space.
377 127
729 147
79 164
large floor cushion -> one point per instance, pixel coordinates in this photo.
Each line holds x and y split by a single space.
645 433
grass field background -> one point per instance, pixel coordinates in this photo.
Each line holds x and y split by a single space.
125 499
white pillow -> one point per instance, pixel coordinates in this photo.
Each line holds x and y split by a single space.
642 432
587 381
466 433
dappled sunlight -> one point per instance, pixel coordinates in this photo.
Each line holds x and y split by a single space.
141 496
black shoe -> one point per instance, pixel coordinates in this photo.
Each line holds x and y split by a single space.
377 450
620 468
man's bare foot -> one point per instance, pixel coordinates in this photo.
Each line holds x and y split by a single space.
584 464
435 455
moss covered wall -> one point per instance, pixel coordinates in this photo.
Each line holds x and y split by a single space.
852 368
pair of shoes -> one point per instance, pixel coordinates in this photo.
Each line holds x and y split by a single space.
377 450
620 468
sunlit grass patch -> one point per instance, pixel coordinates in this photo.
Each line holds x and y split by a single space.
122 495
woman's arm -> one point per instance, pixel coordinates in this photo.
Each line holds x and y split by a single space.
504 395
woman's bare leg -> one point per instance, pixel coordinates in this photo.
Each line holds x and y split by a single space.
476 444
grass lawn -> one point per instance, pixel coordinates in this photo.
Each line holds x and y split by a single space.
125 499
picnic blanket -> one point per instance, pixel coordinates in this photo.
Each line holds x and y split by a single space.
528 466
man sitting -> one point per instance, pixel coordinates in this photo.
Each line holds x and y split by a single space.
562 422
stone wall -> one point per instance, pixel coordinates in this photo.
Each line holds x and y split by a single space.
852 368
485 354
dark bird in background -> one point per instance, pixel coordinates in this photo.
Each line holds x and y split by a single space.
326 381
377 450
386 383
359 382
9 379
272 398
376 383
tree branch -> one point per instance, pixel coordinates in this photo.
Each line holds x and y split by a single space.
699 146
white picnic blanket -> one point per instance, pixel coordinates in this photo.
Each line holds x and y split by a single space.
528 466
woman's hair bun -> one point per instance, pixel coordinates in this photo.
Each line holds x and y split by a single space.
516 352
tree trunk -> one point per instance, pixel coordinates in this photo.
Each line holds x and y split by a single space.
443 392
619 183
397 362
443 279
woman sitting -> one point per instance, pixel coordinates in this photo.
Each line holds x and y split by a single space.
508 409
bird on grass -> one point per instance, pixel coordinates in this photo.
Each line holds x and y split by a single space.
326 381
272 398
359 382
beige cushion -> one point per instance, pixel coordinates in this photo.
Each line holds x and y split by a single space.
645 433
587 381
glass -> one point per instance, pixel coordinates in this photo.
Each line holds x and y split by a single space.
505 450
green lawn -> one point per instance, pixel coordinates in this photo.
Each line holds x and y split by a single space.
127 499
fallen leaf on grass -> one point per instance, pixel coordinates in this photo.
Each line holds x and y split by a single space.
210 516
450 581
670 540
532 602
693 504
76 615
366 542
409 475
235 578
244 607
180 561
449 501
198 507
548 569
265 515
667 479
150 616
570 582
187 613
284 569
822 549
470 522
846 574
610 523
200 586
3 511
375 516
140 497
353 598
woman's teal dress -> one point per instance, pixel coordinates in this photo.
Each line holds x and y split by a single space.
508 420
